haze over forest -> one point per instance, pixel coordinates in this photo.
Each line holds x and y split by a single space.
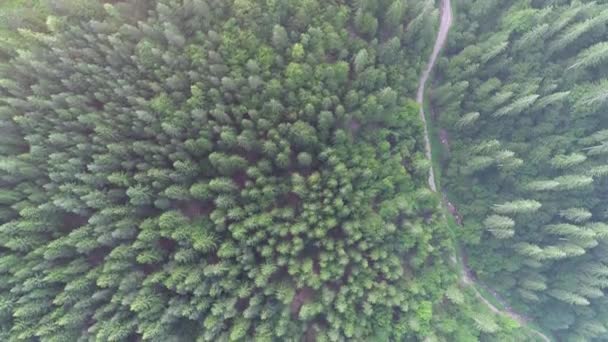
303 170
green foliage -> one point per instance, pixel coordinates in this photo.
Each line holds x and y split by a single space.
219 170
515 207
522 96
500 226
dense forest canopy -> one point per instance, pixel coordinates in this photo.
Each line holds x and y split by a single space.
523 96
217 170
256 170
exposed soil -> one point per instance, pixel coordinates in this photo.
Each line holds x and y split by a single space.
302 296
96 256
240 178
72 221
167 245
194 209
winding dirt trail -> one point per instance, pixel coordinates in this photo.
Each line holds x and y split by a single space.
442 35
466 276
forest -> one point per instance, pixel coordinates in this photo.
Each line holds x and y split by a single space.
258 170
521 93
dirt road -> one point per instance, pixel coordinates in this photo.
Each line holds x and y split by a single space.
442 35
466 277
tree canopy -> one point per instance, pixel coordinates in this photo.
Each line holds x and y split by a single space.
525 81
219 170
255 170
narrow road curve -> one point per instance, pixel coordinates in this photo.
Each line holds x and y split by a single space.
466 278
